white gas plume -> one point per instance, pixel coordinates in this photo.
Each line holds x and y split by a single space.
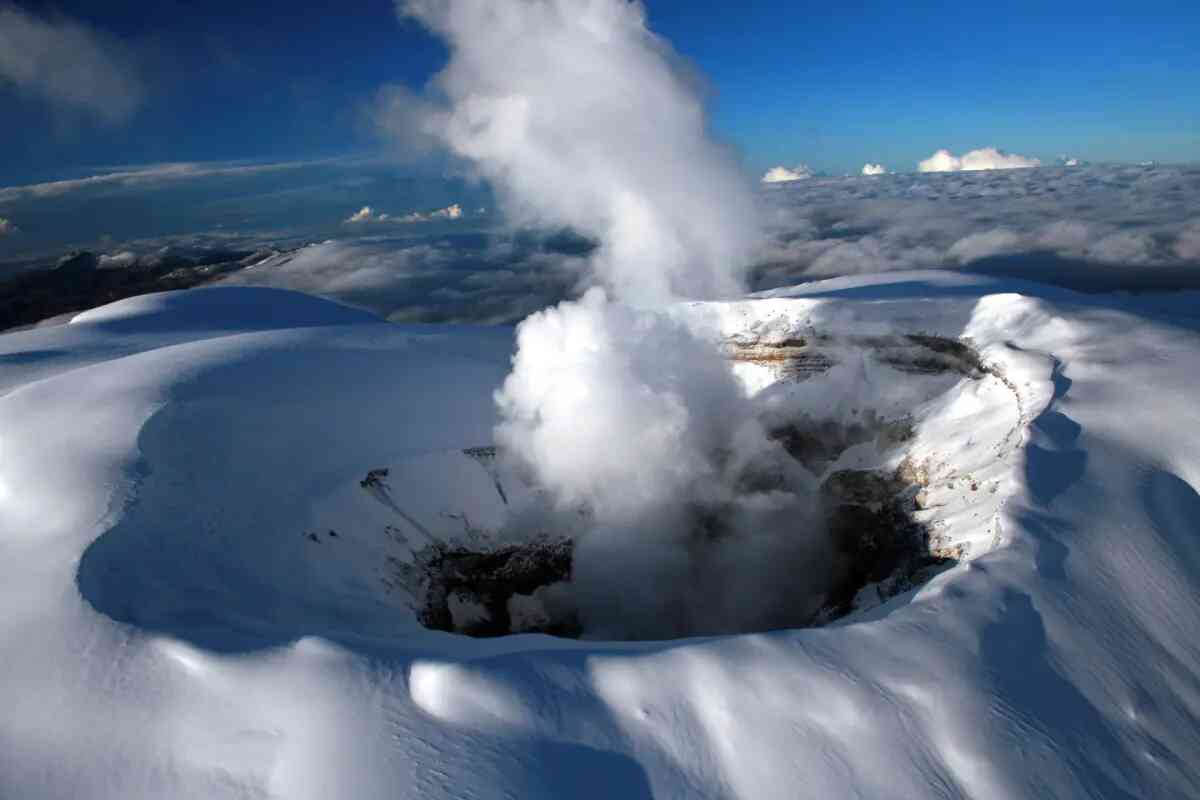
578 115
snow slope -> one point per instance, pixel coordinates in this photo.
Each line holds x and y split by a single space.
195 596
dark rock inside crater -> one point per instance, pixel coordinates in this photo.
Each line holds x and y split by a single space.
880 547
525 588
496 592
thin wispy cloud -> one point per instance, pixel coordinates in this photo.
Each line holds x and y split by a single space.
983 158
68 64
144 176
401 117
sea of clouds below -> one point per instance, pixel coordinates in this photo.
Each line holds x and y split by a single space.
1086 228
475 277
1096 227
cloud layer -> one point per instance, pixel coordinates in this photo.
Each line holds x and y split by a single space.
1116 226
470 277
68 64
981 159
1086 226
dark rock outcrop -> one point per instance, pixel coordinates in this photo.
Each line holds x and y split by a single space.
79 281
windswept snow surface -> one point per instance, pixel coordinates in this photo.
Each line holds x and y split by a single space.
194 603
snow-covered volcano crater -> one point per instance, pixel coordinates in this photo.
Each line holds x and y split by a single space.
895 445
898 446
204 555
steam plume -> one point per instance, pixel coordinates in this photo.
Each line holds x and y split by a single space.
578 115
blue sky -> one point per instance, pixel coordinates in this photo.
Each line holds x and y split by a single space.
892 82
830 86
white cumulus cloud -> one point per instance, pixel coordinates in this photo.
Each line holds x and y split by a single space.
368 214
452 211
68 64
118 260
983 158
785 174
874 169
